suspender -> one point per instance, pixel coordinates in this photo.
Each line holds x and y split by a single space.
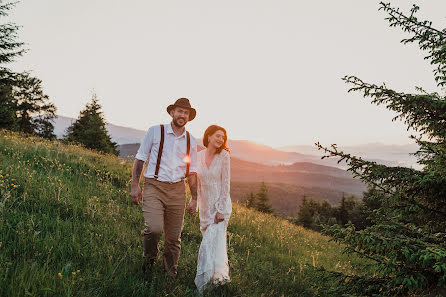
188 155
160 153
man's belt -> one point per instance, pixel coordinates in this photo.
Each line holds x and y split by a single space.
166 182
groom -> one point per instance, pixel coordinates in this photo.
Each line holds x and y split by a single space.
172 154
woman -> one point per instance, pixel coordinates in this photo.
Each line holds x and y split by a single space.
215 208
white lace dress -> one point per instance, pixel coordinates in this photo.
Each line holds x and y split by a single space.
213 196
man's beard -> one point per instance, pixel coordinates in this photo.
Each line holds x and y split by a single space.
175 122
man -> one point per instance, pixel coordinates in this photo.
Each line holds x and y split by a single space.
164 193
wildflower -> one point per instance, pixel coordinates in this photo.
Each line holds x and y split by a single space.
74 272
59 274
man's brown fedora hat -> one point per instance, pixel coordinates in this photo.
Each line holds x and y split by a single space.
183 103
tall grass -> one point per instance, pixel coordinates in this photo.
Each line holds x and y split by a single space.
68 228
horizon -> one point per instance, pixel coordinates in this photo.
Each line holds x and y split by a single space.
259 143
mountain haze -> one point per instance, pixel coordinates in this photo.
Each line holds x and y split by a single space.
390 155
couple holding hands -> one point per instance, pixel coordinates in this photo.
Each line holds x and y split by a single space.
172 158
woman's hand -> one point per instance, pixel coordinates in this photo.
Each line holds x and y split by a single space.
219 217
192 206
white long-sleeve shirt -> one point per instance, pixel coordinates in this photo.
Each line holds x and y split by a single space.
173 165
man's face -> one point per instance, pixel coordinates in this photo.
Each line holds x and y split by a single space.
180 116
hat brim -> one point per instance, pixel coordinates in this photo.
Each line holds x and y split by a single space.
192 112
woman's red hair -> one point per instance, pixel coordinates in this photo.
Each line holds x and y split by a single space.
210 131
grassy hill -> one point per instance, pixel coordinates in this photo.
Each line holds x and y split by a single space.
67 228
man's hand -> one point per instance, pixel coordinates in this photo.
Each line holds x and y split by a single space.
192 206
136 194
219 217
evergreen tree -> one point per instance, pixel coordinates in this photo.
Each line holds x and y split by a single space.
372 198
9 47
33 110
8 117
407 238
89 129
23 106
251 200
9 50
346 207
263 199
342 213
305 214
326 210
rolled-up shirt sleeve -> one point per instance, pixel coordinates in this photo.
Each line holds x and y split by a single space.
224 205
145 146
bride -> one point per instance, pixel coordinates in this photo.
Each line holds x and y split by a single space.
215 208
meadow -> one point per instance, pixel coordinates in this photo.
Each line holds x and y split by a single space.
68 228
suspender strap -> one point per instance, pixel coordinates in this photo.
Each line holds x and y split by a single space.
160 152
188 154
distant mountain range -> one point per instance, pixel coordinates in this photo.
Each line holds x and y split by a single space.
299 174
303 174
257 153
391 155
290 172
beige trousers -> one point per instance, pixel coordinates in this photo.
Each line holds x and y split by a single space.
163 208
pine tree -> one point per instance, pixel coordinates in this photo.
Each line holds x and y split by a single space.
23 105
9 47
251 200
9 50
342 213
8 117
33 110
305 215
345 209
263 199
89 129
407 238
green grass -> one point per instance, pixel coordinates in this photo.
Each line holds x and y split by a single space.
68 228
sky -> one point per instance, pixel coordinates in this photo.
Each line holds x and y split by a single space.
267 71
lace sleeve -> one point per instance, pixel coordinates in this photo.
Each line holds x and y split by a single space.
224 205
198 192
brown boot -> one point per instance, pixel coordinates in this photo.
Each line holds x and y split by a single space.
171 272
147 268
